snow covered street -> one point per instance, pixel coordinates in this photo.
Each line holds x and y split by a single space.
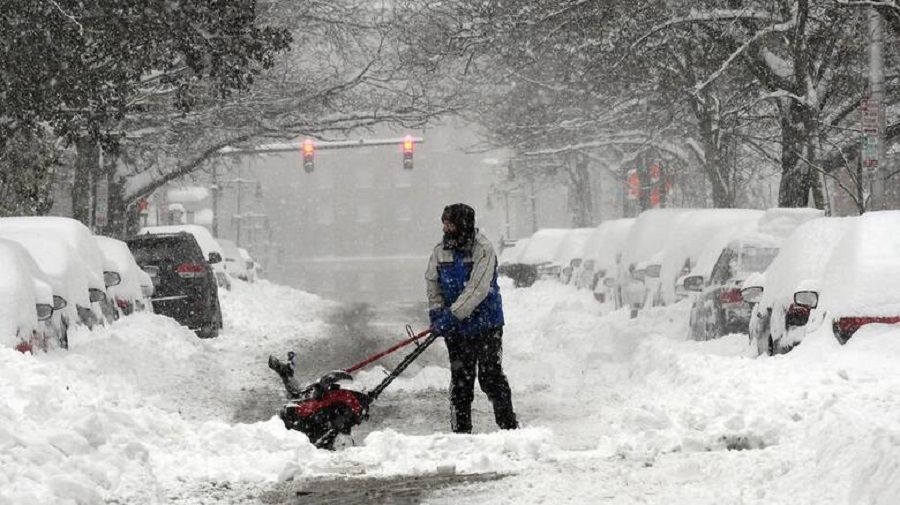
615 410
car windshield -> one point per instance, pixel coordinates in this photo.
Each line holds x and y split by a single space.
757 259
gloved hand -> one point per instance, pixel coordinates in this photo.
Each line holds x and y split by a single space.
443 322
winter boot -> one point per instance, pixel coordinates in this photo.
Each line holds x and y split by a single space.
461 419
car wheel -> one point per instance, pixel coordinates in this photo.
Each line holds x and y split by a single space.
209 330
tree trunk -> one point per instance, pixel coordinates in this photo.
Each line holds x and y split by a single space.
86 160
580 200
707 112
794 188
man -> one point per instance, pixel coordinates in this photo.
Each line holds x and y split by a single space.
466 309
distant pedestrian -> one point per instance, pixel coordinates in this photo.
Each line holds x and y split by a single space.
466 309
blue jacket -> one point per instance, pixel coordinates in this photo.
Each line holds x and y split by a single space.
466 281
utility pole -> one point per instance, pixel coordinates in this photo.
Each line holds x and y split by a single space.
215 200
876 168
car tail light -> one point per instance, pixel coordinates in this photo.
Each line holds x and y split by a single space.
845 327
122 303
797 315
731 295
190 270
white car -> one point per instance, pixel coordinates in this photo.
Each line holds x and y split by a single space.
85 254
129 293
777 321
235 266
25 301
250 265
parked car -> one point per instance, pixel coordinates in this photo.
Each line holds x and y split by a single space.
719 309
249 264
859 282
26 302
600 254
75 286
778 321
234 263
208 245
509 264
694 231
648 236
119 265
185 283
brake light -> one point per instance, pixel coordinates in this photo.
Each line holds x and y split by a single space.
190 270
798 310
848 325
731 295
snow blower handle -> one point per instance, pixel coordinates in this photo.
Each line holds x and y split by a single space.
385 352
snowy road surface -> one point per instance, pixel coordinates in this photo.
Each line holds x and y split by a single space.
616 410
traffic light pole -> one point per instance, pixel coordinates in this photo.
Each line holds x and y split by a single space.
323 145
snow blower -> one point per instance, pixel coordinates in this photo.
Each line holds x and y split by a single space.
323 410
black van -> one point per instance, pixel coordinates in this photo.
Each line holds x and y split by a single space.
184 282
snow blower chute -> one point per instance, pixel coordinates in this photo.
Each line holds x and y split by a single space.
323 410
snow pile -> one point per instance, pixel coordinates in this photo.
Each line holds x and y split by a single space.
613 408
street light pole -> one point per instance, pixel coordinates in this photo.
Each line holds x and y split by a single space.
876 83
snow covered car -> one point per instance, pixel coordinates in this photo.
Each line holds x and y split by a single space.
26 301
185 286
719 308
65 251
859 282
649 234
600 254
234 262
778 319
249 264
695 230
212 251
122 275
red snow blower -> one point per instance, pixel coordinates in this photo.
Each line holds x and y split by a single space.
323 410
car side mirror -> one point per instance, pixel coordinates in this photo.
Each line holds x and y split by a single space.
44 311
807 299
96 295
652 271
59 302
752 294
693 283
215 257
111 279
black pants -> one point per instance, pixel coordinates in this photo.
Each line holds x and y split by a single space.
481 356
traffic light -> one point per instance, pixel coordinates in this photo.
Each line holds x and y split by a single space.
309 153
408 153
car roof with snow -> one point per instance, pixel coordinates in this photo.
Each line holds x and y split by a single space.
863 273
572 245
649 234
17 297
802 257
119 259
542 246
73 232
694 230
67 275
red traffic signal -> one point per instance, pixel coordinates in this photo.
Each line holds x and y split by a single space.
309 153
408 152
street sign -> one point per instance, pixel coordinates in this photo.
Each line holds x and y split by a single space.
869 110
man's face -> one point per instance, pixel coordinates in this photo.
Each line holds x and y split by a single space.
449 228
